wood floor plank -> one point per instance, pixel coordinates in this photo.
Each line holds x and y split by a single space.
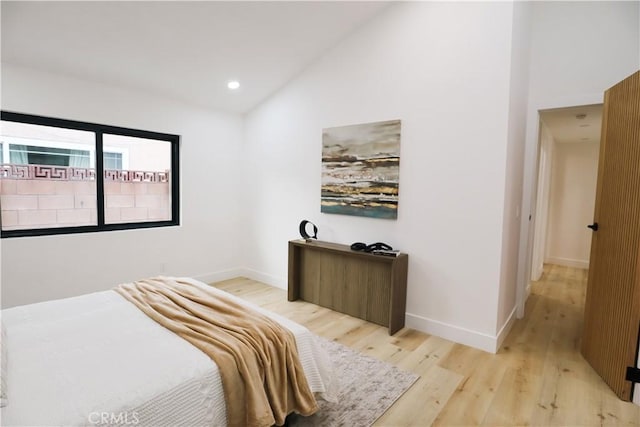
420 405
537 378
475 394
429 353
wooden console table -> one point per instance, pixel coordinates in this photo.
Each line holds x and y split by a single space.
363 285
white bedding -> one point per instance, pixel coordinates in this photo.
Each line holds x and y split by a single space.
96 359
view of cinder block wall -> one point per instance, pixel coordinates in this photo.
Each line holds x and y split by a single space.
137 201
44 203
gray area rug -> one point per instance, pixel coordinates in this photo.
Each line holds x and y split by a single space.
368 387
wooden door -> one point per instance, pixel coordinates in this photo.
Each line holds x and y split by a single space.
612 308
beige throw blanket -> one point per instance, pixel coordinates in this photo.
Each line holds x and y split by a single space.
262 377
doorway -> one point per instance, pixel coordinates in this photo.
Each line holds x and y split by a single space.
569 140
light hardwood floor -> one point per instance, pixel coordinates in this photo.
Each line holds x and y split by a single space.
537 378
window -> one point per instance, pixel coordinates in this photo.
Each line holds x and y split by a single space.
47 155
60 176
113 161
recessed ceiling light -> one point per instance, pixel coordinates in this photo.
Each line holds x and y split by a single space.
233 84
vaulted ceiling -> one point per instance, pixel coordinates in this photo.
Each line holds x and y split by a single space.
186 50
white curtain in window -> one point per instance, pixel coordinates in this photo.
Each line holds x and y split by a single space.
78 159
18 154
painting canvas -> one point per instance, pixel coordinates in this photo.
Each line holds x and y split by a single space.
361 169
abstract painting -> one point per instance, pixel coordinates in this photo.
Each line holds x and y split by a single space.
361 169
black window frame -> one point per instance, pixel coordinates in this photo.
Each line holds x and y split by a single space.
99 130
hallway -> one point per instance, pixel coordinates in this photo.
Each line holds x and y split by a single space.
547 381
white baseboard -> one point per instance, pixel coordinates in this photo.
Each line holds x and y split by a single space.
536 273
275 281
506 328
268 279
568 262
220 275
447 331
457 334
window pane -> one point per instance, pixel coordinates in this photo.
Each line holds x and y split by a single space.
41 155
47 180
113 161
139 190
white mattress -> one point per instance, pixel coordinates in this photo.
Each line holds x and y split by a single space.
97 359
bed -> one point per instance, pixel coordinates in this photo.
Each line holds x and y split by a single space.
97 359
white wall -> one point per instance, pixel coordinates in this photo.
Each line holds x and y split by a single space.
574 175
205 245
582 47
578 50
547 144
520 54
444 70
